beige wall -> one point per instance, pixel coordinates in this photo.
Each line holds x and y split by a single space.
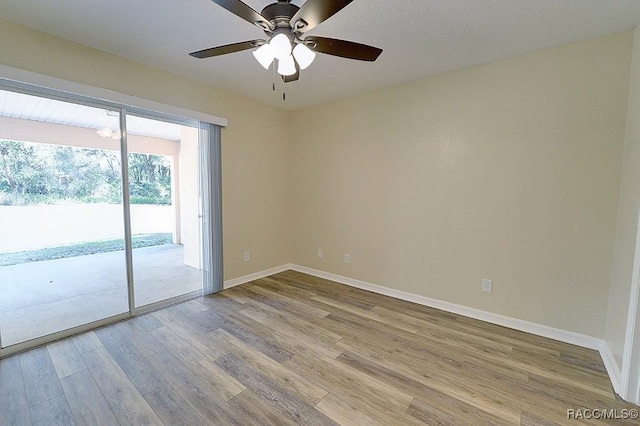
508 171
255 145
628 209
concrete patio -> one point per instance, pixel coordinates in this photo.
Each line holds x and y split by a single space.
41 298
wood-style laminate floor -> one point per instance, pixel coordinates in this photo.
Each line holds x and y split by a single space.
294 349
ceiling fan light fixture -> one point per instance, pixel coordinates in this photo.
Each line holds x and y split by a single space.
264 55
285 24
286 66
304 56
281 46
105 132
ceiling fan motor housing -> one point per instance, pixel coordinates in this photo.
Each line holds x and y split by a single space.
280 14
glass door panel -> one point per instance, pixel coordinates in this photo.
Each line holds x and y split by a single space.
164 197
62 259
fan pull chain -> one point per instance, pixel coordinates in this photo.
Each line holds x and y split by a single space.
273 83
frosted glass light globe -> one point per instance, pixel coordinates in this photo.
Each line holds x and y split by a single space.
264 55
286 66
281 46
304 56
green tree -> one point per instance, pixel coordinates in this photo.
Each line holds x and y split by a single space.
22 170
78 171
149 179
37 173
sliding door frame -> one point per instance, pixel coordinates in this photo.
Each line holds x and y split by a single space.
123 110
126 209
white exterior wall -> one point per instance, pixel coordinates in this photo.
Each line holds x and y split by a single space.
34 227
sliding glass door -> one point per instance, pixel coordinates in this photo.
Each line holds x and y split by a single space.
100 215
165 222
62 262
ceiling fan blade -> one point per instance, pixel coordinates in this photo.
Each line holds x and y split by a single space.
245 12
343 48
229 48
313 12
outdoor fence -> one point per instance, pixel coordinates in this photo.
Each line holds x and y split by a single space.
35 227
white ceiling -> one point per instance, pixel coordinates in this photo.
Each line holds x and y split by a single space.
420 38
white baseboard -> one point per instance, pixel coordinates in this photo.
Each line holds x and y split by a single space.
565 336
613 369
514 323
256 276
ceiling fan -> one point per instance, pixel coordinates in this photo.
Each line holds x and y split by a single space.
284 25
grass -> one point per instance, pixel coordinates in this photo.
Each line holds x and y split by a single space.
82 249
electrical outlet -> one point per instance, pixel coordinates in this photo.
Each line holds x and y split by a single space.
347 258
247 256
487 286
320 253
